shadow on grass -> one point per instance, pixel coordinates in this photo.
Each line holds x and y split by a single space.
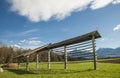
45 71
61 71
20 71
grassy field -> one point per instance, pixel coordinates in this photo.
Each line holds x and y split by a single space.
79 69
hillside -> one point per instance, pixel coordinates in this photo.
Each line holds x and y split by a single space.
101 53
108 52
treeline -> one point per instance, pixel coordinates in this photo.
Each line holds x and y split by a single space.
8 53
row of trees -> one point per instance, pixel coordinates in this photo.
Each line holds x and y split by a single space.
8 53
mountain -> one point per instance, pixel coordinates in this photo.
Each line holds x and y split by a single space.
108 52
101 53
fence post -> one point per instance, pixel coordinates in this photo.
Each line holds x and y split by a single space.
65 58
27 62
49 59
18 63
37 61
94 52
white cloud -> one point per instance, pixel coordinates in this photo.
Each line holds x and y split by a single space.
15 45
29 31
27 43
116 2
96 4
30 43
102 39
44 10
34 38
116 28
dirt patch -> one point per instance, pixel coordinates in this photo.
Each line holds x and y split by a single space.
9 65
117 61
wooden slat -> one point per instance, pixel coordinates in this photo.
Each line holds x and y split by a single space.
74 40
88 47
79 44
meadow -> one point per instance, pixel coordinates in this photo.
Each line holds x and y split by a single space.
76 69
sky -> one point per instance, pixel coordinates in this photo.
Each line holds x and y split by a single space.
33 23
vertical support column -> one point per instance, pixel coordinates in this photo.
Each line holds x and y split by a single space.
18 63
94 52
49 59
65 58
37 60
27 62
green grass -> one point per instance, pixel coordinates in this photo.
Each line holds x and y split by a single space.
83 69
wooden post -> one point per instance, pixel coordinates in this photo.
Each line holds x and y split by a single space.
49 59
27 62
65 58
37 60
18 63
94 52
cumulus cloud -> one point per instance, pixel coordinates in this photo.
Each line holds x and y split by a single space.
96 4
43 10
116 28
30 43
116 2
15 45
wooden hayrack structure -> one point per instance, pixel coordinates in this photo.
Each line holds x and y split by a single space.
84 42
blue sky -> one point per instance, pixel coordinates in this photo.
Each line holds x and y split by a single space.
30 25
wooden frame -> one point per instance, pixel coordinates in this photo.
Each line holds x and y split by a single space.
86 37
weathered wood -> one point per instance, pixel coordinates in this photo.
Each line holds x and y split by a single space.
87 47
27 62
65 57
18 63
80 44
49 59
94 52
37 60
82 38
75 40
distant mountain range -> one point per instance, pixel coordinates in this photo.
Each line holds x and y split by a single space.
101 53
108 52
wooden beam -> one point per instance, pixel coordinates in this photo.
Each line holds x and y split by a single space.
65 57
37 61
78 39
94 52
49 59
27 62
